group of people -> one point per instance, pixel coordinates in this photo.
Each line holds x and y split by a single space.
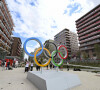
7 65
28 66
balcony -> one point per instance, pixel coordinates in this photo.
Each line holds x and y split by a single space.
1 41
6 14
98 18
90 26
4 50
88 48
5 29
5 36
91 13
90 43
90 34
92 38
97 27
90 18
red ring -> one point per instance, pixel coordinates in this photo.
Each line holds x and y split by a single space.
59 50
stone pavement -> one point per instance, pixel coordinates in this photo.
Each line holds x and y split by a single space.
16 80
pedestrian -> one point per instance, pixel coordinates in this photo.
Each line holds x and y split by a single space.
39 66
67 66
14 64
3 65
26 66
50 65
36 67
31 66
47 67
8 64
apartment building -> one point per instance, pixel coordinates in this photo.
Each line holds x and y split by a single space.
16 47
6 28
88 30
67 38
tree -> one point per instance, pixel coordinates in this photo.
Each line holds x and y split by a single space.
85 55
22 54
31 58
78 54
97 50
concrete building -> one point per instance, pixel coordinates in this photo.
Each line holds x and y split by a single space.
6 28
88 29
16 47
67 38
73 42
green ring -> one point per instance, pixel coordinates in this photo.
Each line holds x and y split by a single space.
61 62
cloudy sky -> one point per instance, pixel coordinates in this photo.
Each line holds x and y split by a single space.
45 18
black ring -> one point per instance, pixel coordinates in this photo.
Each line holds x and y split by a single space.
46 52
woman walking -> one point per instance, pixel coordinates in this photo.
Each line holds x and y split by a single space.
31 66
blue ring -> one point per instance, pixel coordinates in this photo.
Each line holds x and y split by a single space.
36 39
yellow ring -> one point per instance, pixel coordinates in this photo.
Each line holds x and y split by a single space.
36 59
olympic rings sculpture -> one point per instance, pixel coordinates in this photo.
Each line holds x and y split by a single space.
49 55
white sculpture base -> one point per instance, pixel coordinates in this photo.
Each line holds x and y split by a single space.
53 80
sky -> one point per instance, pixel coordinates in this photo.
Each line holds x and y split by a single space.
43 19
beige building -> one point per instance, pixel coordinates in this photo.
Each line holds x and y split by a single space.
73 42
67 38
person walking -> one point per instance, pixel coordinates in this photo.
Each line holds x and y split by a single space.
26 66
3 65
50 65
8 64
39 66
67 66
31 66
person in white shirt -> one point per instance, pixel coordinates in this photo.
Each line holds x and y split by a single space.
31 66
26 66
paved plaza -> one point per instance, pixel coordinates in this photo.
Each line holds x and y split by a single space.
16 80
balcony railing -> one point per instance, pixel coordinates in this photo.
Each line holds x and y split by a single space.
86 48
6 14
90 26
89 43
89 30
88 35
4 43
4 50
5 36
5 29
91 13
5 21
98 18
90 18
94 37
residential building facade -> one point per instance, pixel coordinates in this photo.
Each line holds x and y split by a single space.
88 30
67 38
6 28
16 47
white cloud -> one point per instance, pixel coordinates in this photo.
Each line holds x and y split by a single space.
36 21
39 19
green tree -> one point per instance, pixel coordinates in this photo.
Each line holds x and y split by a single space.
97 50
78 54
31 58
22 54
85 55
